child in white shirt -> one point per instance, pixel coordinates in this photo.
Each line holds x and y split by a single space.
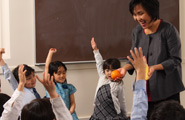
109 97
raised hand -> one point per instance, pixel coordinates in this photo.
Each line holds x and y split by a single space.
2 51
93 44
22 78
48 83
52 50
48 60
139 63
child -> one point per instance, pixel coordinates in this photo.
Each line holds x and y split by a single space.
58 70
109 97
47 109
29 88
13 106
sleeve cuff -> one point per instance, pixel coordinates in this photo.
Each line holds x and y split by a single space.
140 84
57 102
95 51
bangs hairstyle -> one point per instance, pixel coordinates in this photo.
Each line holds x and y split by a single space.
53 67
38 109
151 7
111 63
28 72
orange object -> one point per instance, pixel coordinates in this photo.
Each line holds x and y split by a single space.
115 74
146 73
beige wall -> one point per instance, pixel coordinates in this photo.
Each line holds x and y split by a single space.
83 76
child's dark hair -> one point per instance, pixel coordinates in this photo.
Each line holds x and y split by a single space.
111 63
53 67
151 7
38 109
28 72
3 99
168 110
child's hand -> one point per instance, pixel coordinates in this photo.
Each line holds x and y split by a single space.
52 50
49 85
93 44
22 78
2 51
139 63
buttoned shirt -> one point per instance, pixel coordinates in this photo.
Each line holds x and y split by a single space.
140 101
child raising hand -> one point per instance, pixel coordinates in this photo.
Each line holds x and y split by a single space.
58 70
109 97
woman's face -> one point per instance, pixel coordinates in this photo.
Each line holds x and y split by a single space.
60 76
142 17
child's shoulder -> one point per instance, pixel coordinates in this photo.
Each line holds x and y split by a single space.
70 85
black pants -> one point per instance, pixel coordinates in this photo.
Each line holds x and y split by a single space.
151 105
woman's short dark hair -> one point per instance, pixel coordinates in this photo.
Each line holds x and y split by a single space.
111 63
3 99
151 7
38 109
26 67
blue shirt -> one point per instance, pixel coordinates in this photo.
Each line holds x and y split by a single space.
140 101
65 90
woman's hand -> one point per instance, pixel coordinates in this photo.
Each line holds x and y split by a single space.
154 68
123 72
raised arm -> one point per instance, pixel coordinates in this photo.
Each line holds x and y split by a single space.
22 78
58 105
13 107
93 44
7 72
140 100
48 59
97 56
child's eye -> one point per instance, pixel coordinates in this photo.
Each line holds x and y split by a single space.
28 78
140 13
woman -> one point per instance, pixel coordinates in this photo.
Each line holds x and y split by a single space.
161 46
